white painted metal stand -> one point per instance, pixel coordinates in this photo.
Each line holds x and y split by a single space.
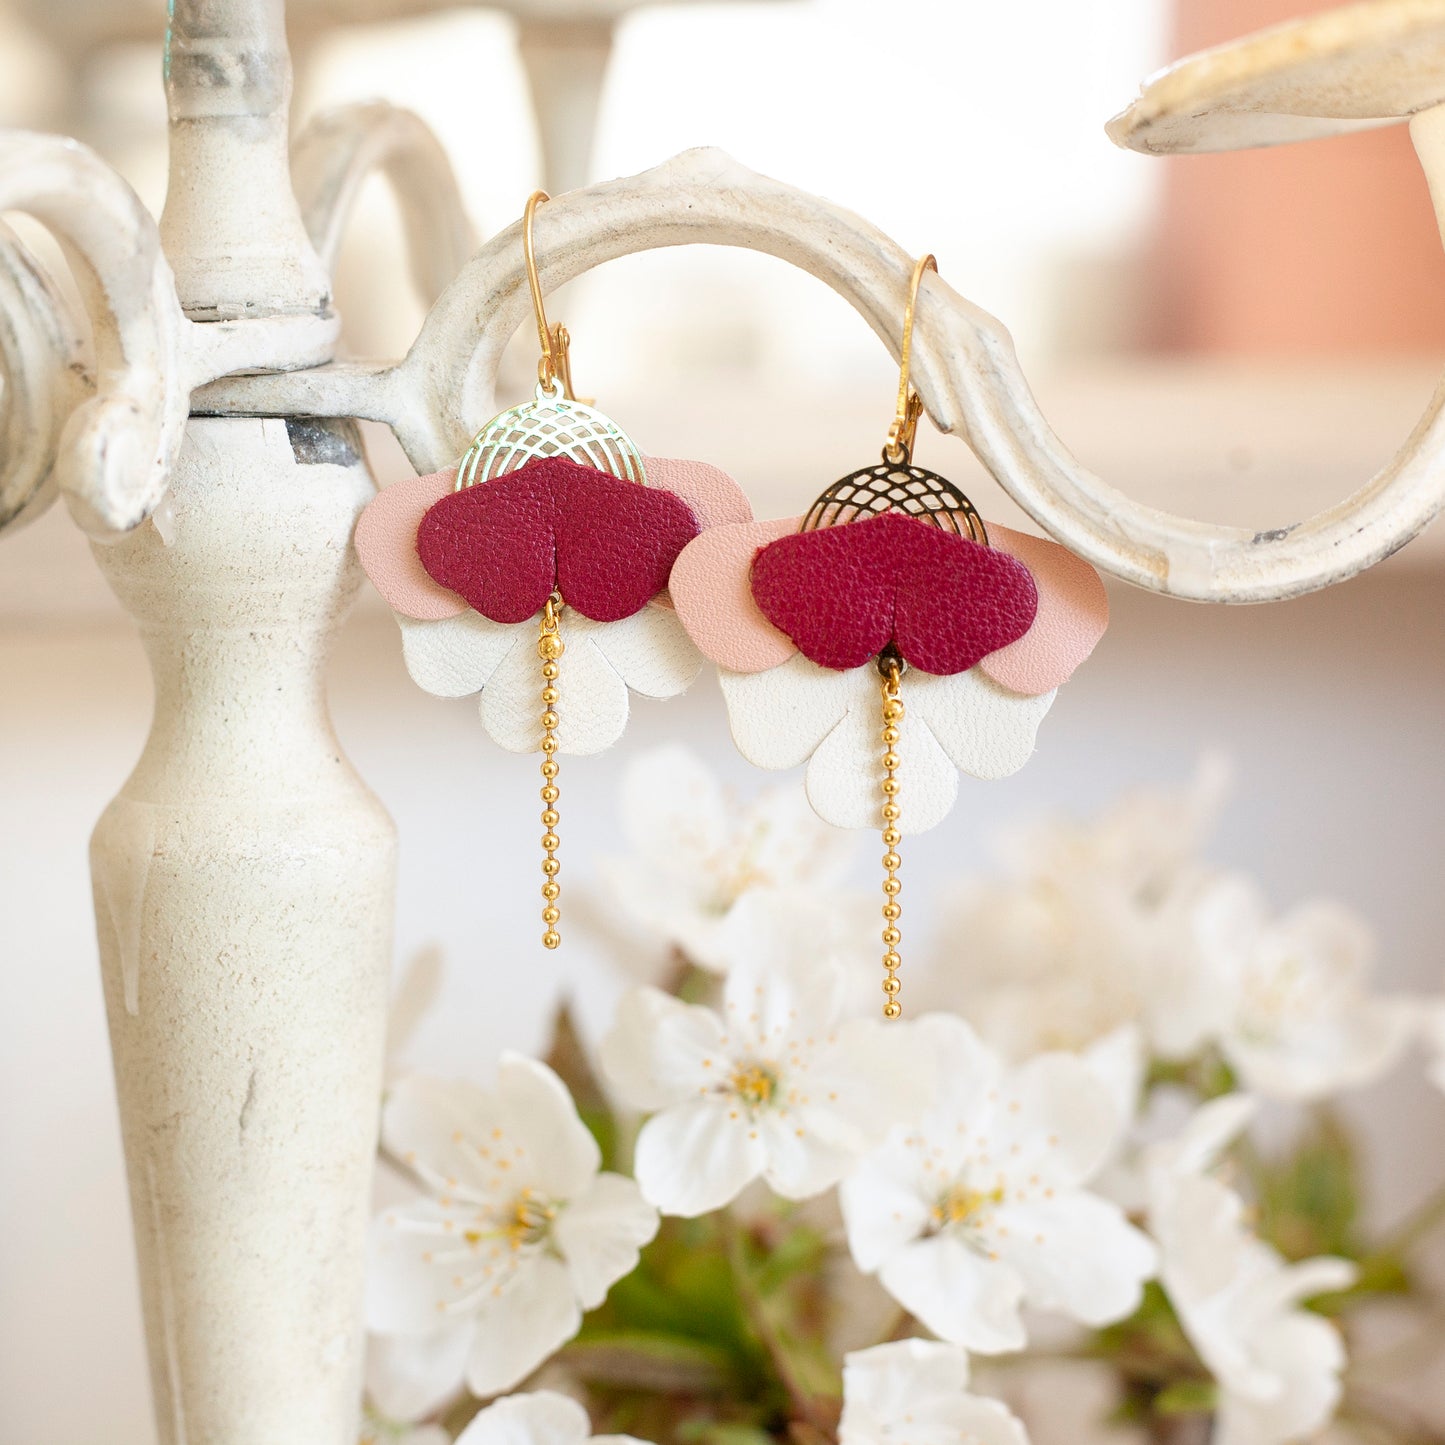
243 892
243 877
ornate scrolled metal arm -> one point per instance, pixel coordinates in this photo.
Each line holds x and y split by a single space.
339 149
101 425
113 453
966 369
46 375
964 364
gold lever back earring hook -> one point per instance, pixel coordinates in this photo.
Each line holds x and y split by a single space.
910 405
554 366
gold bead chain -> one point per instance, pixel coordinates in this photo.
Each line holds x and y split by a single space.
549 648
892 911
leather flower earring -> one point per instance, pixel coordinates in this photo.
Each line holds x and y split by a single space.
889 639
535 573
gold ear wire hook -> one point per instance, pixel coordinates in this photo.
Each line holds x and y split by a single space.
554 366
904 429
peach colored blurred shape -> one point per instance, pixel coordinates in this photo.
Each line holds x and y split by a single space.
386 531
711 588
1073 613
386 544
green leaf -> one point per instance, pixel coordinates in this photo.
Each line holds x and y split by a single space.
1187 1397
682 1287
710 1432
800 1251
1309 1201
639 1360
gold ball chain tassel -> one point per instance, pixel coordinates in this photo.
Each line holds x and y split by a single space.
549 648
892 911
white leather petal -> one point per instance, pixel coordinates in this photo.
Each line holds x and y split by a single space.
779 716
844 772
455 657
799 711
592 710
650 651
986 730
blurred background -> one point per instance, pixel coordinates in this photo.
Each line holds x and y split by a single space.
1244 338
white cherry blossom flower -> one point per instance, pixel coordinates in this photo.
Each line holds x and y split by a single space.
915 1392
1140 846
1117 1061
1095 929
380 1429
541 1418
1277 1365
409 1378
695 851
982 1207
1300 1023
521 1233
1280 1364
1117 922
778 1085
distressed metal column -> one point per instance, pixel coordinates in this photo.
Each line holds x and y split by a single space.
243 890
244 876
231 227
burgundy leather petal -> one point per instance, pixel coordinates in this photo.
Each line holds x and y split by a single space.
606 545
844 593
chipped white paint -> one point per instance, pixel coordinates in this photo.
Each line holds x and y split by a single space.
243 889
104 429
231 225
103 426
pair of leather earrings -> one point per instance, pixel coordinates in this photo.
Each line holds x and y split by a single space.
887 638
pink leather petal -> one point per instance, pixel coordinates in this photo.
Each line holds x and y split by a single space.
714 497
712 593
1073 613
605 544
386 545
844 593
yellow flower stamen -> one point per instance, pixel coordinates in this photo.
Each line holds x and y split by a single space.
754 1084
961 1205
